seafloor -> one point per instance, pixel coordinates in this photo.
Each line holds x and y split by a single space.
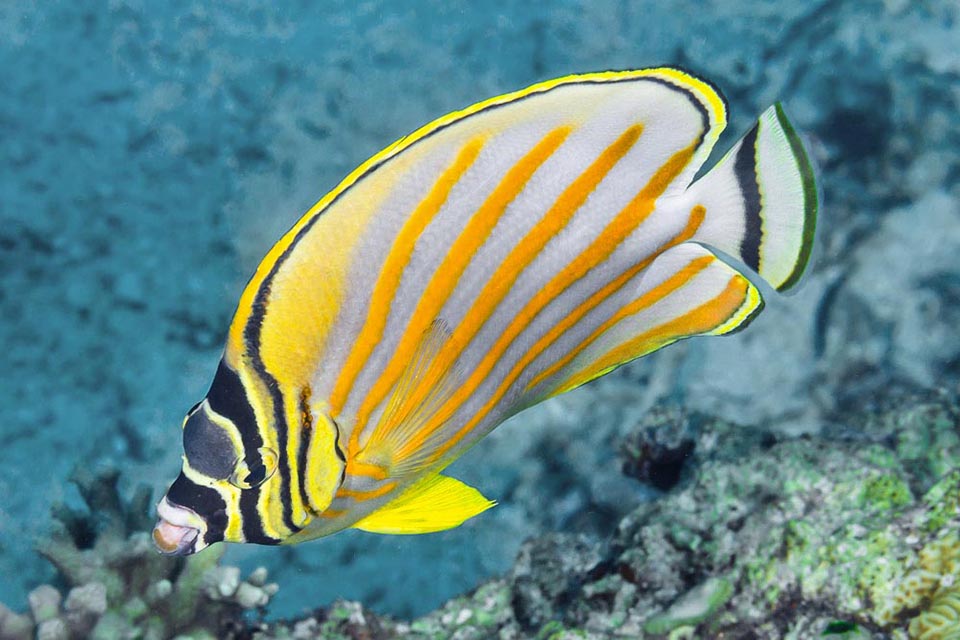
792 479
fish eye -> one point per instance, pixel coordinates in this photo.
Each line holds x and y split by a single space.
250 473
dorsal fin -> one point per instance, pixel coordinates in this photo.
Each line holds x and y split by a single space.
425 385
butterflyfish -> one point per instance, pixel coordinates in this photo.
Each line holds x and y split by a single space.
492 259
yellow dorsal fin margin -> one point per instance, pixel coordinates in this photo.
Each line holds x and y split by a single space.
436 503
425 385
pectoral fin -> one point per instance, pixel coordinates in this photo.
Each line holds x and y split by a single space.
434 504
410 429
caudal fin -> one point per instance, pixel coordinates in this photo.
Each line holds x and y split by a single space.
761 201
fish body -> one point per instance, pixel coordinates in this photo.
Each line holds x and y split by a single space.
492 259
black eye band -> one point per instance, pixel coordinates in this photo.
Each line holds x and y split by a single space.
208 447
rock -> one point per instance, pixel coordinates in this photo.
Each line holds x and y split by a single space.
249 596
159 590
119 586
14 626
53 629
84 606
44 603
768 538
693 607
658 452
548 575
258 577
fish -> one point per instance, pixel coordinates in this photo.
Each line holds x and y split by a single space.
490 260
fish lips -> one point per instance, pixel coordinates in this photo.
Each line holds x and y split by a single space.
178 531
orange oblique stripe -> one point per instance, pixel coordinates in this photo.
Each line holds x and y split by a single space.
705 317
393 266
445 279
519 258
623 224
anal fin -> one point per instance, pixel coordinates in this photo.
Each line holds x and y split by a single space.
687 291
434 504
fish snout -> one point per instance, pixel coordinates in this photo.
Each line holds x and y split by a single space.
178 530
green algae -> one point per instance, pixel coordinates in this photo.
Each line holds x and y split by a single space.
886 492
790 540
943 502
793 540
695 606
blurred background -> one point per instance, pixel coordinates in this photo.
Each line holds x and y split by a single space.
150 154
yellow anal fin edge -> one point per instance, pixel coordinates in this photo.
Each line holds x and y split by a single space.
436 503
686 292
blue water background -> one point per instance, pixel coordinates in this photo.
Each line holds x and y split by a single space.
151 153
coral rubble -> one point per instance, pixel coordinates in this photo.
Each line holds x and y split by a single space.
850 537
852 534
118 586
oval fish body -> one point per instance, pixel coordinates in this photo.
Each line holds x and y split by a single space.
492 259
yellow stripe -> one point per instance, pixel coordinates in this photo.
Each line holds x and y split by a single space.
649 298
234 530
737 319
323 471
703 91
625 223
390 274
445 279
360 468
702 319
699 89
697 215
269 506
270 510
509 270
591 303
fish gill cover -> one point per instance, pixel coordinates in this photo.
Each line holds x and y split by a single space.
150 156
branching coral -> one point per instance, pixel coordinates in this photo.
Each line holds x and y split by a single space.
933 583
117 584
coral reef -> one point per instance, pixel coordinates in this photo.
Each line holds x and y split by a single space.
656 454
153 152
118 586
847 538
853 536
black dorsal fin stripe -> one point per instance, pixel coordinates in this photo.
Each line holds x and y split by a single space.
745 169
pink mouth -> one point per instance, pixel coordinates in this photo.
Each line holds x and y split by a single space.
175 533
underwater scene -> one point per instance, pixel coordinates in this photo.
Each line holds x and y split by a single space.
270 286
